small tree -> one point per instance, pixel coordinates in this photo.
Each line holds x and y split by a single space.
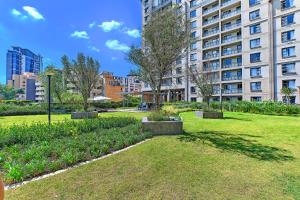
57 83
83 73
9 93
165 38
205 84
288 92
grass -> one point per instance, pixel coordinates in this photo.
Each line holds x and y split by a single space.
244 156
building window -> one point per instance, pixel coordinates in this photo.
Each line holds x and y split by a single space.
256 99
193 57
254 15
255 72
254 29
289 84
179 81
179 70
287 4
253 2
194 46
292 100
193 3
193 90
193 14
288 68
193 99
288 36
178 61
255 57
287 20
194 34
256 86
288 52
194 24
255 43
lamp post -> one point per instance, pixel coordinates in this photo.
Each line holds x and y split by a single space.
49 75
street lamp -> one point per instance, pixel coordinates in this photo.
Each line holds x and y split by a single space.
49 74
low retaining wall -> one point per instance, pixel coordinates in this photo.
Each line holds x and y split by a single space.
84 115
163 127
210 115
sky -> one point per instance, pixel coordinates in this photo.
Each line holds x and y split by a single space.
103 29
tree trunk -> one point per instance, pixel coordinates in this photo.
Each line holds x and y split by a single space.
1 190
85 104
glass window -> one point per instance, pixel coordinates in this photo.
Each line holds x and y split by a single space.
255 72
288 36
193 14
257 99
254 15
179 81
194 34
253 2
256 86
288 52
194 24
288 68
193 57
287 20
255 29
255 43
287 4
193 90
193 3
194 46
255 57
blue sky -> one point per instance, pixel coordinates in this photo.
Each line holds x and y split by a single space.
104 29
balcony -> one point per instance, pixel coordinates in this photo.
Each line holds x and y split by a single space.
233 13
211 55
232 38
233 91
206 2
211 32
232 78
231 52
229 2
233 65
211 67
231 26
210 21
210 10
211 43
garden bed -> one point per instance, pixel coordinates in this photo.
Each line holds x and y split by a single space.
28 151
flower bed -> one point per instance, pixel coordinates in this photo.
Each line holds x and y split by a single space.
30 151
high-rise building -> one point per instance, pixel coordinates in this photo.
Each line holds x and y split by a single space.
20 61
251 48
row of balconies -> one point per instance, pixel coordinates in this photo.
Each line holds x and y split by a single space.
216 42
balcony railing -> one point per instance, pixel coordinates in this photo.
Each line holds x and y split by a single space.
231 39
211 55
205 12
231 26
211 32
211 43
231 52
228 2
231 65
210 21
233 91
231 78
230 14
211 67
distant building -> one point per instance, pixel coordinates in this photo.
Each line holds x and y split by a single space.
26 82
39 91
114 86
134 85
20 61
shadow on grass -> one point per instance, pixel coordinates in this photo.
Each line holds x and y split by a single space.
239 119
238 144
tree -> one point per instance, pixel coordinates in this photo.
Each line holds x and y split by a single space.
165 38
57 82
83 73
9 93
288 92
204 81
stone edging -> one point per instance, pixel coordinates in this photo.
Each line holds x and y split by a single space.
14 186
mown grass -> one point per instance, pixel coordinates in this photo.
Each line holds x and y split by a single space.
244 156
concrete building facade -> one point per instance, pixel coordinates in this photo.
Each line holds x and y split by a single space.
251 48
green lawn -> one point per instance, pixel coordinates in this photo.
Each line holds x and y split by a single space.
244 156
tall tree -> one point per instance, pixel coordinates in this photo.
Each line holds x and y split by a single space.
165 38
83 73
57 82
9 93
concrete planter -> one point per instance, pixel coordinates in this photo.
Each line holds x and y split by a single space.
163 127
84 115
209 115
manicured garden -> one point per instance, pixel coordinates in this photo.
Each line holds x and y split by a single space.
244 156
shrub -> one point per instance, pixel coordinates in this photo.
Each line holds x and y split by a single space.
28 151
11 109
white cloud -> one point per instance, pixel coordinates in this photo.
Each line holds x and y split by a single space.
109 26
92 25
116 45
133 33
80 34
114 58
18 14
93 48
33 12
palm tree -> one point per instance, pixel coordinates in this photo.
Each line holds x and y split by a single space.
287 93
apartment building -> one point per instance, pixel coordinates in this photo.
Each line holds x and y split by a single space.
250 48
